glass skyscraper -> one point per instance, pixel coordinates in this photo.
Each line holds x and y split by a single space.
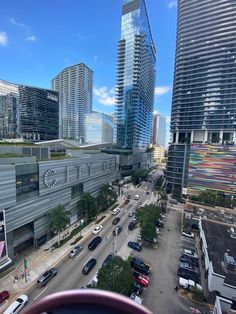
159 130
28 112
75 87
135 78
203 117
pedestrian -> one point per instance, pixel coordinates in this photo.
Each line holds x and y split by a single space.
22 274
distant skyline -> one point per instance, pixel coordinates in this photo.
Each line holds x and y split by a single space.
39 39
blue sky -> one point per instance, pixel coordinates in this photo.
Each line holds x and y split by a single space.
39 38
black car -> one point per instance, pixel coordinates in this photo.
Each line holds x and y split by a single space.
129 196
116 220
190 260
132 224
135 246
137 289
48 275
140 266
89 266
107 260
117 230
159 224
94 243
188 266
147 192
187 274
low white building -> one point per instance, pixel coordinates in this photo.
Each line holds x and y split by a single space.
224 306
219 251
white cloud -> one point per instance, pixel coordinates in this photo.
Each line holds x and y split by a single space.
13 21
172 4
105 96
161 90
31 38
3 39
168 119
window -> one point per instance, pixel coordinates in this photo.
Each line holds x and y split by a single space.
77 190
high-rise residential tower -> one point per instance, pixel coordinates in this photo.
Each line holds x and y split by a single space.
159 130
135 78
75 87
203 118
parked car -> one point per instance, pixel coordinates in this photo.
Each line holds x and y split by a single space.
159 224
187 274
116 211
116 220
127 201
117 230
135 298
131 214
17 305
190 253
141 279
189 267
132 225
4 295
129 196
188 284
75 251
97 229
137 288
190 260
94 243
107 260
89 266
147 192
135 246
46 277
139 265
139 203
136 197
188 234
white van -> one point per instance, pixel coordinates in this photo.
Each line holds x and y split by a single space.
116 211
17 305
136 197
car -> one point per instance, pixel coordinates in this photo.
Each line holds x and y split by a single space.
139 265
157 231
129 196
187 274
159 224
188 234
147 192
140 278
135 298
116 220
188 266
139 203
162 216
132 225
190 253
117 230
131 214
137 288
188 284
116 211
97 229
4 295
17 305
136 197
232 235
107 260
89 266
75 251
139 237
93 282
135 246
190 260
127 201
46 277
94 243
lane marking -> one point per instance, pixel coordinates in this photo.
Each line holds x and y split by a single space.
40 293
87 260
79 254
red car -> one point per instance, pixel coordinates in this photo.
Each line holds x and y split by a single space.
127 201
4 295
141 279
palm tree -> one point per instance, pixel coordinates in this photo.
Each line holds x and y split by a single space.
88 205
58 220
107 195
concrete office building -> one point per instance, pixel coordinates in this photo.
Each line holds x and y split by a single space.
99 128
204 95
135 78
159 130
75 87
28 112
30 189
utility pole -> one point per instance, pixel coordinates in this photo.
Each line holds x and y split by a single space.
25 262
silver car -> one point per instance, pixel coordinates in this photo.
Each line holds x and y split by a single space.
46 277
75 251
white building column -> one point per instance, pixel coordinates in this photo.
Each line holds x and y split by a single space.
221 137
192 137
205 136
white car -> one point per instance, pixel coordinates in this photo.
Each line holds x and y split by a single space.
116 211
17 305
97 229
136 299
188 234
190 253
136 197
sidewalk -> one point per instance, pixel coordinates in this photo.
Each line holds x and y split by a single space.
41 259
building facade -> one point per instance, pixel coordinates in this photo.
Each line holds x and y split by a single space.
30 189
135 78
99 128
159 130
204 91
75 87
28 112
158 153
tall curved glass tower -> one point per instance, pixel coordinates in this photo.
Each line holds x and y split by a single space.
203 117
135 78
